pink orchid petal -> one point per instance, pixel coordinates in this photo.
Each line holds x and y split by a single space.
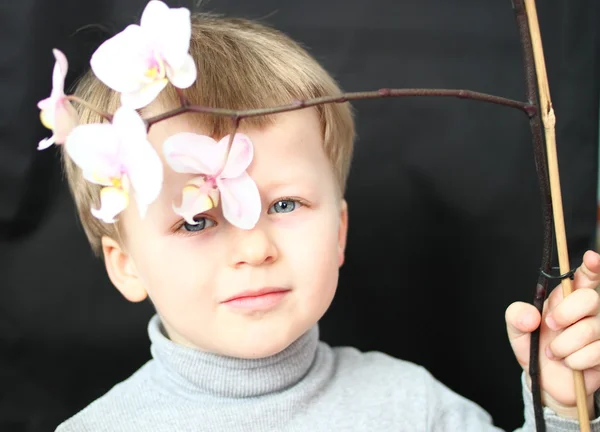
241 201
199 182
144 95
95 149
121 61
240 155
206 187
185 76
51 106
188 152
65 120
59 73
112 202
193 201
171 31
59 116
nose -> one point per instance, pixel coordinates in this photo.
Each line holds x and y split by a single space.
253 247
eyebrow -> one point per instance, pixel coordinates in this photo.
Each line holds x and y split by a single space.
291 180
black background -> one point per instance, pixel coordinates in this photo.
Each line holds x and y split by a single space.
444 210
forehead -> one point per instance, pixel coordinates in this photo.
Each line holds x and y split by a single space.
289 147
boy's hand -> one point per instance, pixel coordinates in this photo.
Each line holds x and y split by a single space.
569 339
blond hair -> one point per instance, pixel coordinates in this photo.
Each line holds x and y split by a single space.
241 65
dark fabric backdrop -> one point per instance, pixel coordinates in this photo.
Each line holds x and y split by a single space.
445 213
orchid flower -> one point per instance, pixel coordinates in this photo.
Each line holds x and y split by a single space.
57 113
117 156
139 61
222 172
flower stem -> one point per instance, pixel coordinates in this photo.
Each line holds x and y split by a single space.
236 125
345 97
106 116
182 99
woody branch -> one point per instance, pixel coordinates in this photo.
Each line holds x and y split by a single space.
530 108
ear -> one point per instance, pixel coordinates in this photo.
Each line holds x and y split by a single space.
342 232
121 271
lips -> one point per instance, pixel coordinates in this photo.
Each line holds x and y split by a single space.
255 293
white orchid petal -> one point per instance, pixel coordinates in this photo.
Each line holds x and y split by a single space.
61 66
193 201
239 157
174 36
144 95
146 175
171 30
154 12
112 202
45 143
122 61
46 104
128 124
188 152
185 76
95 149
97 178
137 157
240 200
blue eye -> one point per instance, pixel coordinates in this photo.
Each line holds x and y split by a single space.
202 224
284 206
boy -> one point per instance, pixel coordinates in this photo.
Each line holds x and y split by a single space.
235 339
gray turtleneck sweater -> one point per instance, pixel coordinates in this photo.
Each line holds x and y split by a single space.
307 387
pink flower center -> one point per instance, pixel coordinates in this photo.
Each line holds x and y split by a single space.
210 182
156 69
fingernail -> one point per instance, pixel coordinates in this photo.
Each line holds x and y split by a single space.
549 353
551 323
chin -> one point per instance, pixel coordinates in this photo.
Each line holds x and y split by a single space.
263 344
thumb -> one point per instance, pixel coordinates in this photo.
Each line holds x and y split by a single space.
521 319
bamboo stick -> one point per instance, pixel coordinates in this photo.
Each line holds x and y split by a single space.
549 122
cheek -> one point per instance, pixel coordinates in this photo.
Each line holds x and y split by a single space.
169 265
313 257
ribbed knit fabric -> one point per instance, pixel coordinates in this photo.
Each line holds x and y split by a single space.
308 387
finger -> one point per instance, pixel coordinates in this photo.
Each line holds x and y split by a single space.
521 319
554 298
580 304
574 338
591 378
588 273
585 358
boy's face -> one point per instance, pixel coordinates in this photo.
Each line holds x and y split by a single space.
190 275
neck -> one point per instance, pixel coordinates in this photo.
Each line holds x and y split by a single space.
209 374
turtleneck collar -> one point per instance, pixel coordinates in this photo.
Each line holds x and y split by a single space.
202 373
